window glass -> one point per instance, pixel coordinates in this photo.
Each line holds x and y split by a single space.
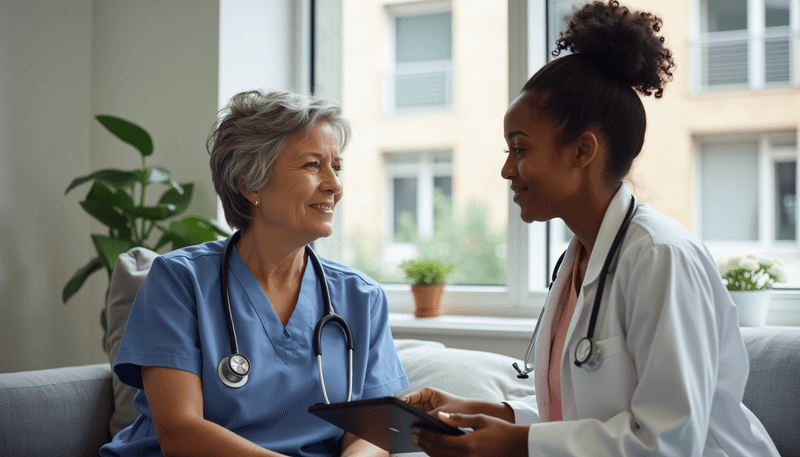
785 200
776 13
425 182
725 15
730 190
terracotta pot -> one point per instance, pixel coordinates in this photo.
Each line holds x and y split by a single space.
427 298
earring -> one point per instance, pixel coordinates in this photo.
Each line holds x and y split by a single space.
256 203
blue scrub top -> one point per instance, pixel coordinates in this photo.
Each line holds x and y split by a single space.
178 321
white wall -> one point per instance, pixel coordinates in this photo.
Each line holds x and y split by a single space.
61 63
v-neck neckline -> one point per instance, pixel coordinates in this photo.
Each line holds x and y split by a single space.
285 339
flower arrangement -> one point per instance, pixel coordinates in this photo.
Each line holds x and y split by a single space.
427 271
750 272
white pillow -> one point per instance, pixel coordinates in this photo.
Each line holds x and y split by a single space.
466 373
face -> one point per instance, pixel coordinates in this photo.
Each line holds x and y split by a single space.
540 172
300 197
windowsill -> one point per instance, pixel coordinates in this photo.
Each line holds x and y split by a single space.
784 311
461 326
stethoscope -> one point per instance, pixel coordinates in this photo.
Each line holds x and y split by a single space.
234 369
587 354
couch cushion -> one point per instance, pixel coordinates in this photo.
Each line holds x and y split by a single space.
773 388
129 273
56 412
466 373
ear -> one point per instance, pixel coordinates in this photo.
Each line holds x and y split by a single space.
586 148
251 196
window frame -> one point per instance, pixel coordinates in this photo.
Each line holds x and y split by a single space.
755 35
767 157
393 10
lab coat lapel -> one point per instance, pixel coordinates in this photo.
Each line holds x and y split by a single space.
615 214
545 338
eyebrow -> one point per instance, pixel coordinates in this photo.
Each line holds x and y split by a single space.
515 133
319 156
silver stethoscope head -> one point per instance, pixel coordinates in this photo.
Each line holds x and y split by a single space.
233 370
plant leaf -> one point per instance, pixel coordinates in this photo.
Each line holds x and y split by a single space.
128 132
106 214
159 175
115 179
77 280
110 248
187 232
152 213
180 200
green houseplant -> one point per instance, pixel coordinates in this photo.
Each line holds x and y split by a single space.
117 199
427 278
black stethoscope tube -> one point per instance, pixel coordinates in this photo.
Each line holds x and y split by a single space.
587 354
234 369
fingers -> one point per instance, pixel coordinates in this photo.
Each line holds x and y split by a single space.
473 421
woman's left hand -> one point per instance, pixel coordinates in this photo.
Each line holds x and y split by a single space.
491 437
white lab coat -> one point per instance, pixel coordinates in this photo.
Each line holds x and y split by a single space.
674 366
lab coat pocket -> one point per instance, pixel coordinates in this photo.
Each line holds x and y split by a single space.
605 391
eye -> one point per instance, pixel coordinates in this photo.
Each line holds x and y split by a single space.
516 151
312 165
337 168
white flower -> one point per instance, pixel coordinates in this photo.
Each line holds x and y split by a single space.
766 262
722 265
749 264
733 262
777 271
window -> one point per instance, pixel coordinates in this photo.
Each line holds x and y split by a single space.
745 43
748 196
420 194
421 58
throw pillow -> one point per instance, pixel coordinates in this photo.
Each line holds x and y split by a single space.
126 279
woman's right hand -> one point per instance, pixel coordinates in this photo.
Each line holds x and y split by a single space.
434 400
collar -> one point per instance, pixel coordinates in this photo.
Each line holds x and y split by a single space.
615 214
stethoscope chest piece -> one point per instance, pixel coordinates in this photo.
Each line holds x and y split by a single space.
233 370
588 355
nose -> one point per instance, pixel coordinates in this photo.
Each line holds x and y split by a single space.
331 182
509 167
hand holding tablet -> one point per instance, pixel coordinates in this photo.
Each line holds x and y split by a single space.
385 422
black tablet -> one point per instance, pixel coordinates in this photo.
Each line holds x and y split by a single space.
385 422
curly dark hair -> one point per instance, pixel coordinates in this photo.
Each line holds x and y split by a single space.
614 53
626 40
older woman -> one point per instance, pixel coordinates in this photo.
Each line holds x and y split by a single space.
275 162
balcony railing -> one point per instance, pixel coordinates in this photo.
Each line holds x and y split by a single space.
737 59
419 86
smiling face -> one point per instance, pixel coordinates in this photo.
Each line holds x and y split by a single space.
541 172
300 197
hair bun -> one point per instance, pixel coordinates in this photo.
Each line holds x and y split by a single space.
620 43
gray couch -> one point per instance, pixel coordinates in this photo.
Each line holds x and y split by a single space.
66 411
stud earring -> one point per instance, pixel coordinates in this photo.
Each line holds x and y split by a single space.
256 203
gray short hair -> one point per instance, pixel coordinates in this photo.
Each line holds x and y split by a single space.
250 134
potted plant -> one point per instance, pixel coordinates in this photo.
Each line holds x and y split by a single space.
117 200
749 279
427 278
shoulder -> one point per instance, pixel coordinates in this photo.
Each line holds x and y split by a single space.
337 272
189 263
654 238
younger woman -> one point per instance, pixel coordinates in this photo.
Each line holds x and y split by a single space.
673 366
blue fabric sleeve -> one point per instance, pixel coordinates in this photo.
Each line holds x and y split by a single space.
162 327
385 374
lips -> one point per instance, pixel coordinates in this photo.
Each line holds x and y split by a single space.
518 191
325 207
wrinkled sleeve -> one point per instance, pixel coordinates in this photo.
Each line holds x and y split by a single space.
384 374
161 329
526 411
672 338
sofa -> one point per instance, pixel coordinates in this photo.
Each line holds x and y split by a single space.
67 411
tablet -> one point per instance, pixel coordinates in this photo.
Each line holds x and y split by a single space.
385 422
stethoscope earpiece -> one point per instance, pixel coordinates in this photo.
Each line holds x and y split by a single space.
233 370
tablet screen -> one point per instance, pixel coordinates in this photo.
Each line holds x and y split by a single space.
385 422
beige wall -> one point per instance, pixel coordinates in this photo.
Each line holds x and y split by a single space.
61 63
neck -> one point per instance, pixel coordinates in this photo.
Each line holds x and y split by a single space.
586 215
271 259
